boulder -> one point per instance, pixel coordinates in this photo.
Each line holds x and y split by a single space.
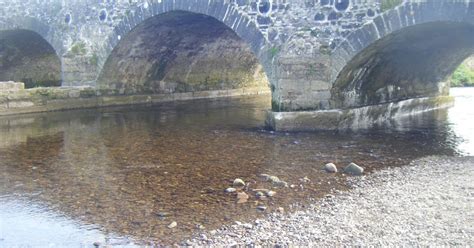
354 169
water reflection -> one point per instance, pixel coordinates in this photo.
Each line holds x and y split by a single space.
130 172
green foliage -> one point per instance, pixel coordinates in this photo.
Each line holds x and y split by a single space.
79 48
94 60
30 83
463 76
274 51
389 4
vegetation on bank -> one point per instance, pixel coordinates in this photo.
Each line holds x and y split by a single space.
463 77
389 4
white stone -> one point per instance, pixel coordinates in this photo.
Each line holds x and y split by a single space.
230 190
172 225
238 182
330 167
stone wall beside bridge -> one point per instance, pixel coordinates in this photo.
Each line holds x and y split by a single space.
313 55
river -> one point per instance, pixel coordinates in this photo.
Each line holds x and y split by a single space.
120 176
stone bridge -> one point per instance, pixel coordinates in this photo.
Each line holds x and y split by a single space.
328 63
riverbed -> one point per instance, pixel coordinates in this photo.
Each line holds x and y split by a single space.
121 176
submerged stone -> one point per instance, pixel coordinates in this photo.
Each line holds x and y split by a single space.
172 225
354 169
230 190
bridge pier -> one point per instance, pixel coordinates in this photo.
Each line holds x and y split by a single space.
79 70
385 114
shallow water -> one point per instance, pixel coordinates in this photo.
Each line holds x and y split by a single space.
120 176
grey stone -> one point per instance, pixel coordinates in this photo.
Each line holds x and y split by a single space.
354 169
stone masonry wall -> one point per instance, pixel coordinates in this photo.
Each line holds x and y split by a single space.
302 45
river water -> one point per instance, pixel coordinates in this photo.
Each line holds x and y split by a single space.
120 176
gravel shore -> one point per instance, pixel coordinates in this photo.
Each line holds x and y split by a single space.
430 202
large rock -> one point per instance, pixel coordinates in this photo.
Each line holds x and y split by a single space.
354 169
330 167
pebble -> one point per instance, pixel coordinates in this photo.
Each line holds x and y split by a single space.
274 180
242 197
230 190
247 226
271 193
238 182
162 214
354 169
172 225
261 207
259 194
330 167
383 194
96 244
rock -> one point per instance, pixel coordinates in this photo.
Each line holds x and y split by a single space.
261 207
242 197
305 180
274 180
172 225
271 193
200 227
162 214
96 244
354 169
238 182
281 210
259 194
265 177
230 190
247 226
330 167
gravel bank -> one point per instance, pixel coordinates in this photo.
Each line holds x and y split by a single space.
430 202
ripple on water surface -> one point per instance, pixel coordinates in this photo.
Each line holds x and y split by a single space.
123 175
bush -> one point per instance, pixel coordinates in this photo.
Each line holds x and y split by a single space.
389 4
463 76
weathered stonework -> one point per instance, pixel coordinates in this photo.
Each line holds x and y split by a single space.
20 101
315 53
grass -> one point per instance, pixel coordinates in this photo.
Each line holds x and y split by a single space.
389 4
79 48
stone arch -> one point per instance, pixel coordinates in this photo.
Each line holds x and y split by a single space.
26 56
391 58
222 11
36 26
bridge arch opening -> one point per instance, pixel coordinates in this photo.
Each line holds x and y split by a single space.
412 62
27 57
180 51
